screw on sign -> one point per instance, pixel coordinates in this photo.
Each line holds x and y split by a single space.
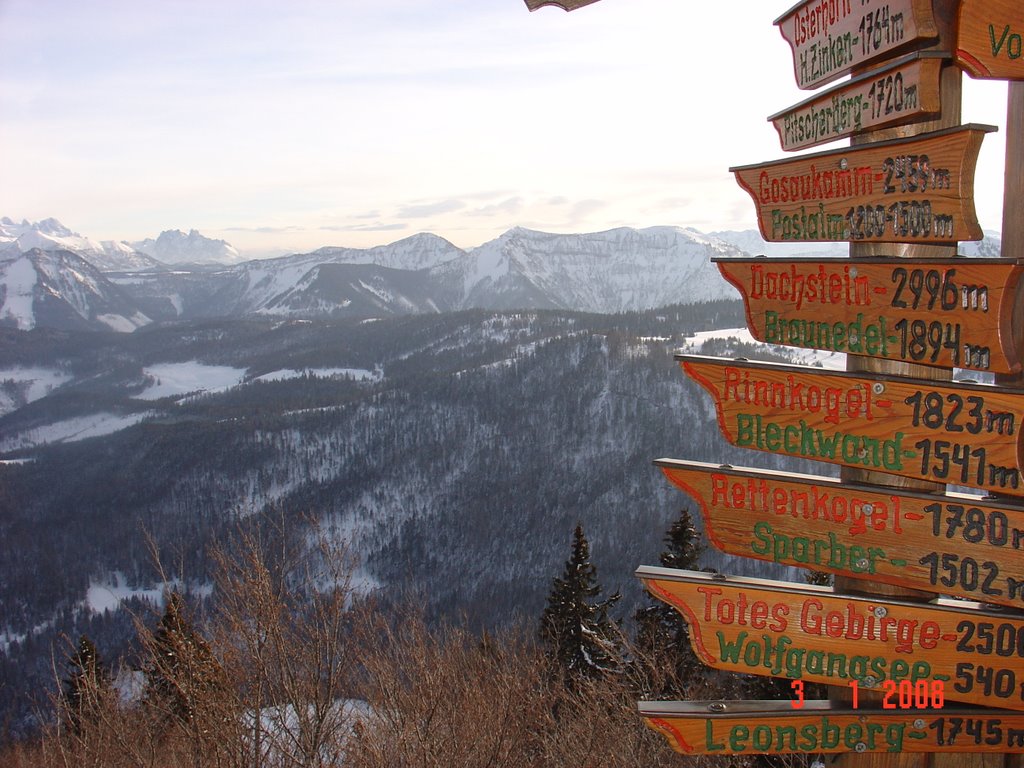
819 727
954 543
927 653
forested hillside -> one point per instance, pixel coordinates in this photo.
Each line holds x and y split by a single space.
454 452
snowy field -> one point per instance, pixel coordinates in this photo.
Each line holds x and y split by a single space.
70 430
32 382
357 374
178 379
833 361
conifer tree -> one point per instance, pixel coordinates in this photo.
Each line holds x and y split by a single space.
580 637
86 686
663 637
183 673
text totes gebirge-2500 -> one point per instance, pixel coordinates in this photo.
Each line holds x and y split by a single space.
954 543
959 433
915 190
953 313
779 629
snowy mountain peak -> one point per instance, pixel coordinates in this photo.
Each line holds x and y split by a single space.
173 246
53 227
421 251
51 235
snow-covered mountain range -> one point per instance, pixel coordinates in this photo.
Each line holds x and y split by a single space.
51 276
605 272
169 248
176 247
51 235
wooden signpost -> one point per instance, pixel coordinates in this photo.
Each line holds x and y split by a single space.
966 434
830 38
919 189
904 91
952 650
905 322
819 727
955 543
948 312
990 39
565 5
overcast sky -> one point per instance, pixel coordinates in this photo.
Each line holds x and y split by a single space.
289 125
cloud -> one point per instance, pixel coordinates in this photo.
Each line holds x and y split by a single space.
673 203
584 208
425 210
509 207
263 230
364 227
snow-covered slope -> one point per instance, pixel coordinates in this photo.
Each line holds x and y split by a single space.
604 272
615 271
59 289
751 242
421 251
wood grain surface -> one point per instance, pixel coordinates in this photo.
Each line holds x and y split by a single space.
830 38
955 543
914 190
948 313
963 652
957 433
818 727
990 39
901 92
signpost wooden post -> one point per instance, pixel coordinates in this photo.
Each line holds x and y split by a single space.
949 312
955 543
906 183
918 189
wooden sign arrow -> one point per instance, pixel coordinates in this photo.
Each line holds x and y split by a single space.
944 312
960 433
954 544
914 190
902 92
956 650
990 39
565 5
830 38
819 727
